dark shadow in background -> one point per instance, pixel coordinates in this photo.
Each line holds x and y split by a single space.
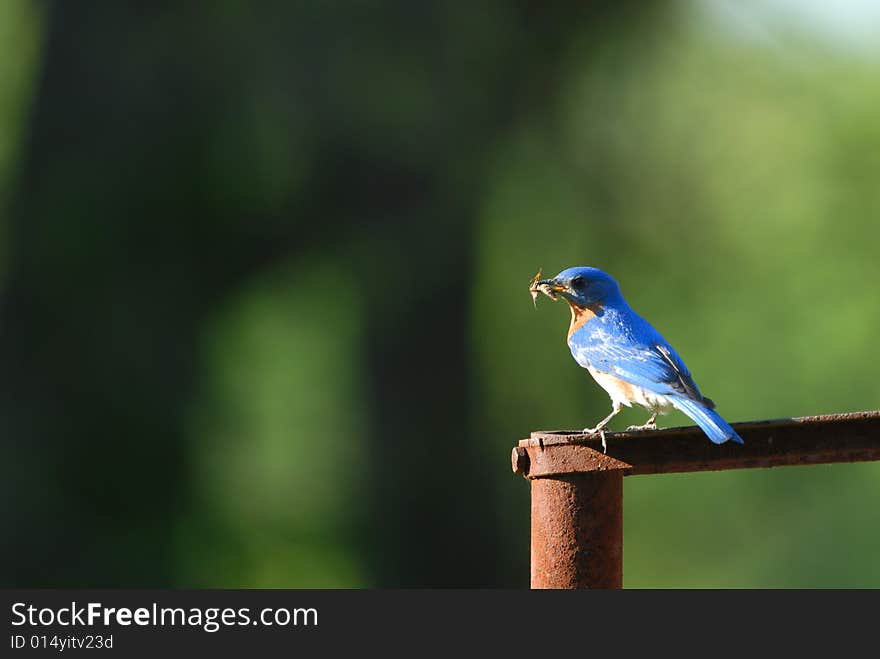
141 205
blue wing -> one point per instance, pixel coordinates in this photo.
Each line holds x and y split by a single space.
627 346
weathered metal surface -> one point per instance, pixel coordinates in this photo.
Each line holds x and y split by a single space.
577 490
519 460
800 441
577 531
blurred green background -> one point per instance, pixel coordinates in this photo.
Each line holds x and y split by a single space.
263 272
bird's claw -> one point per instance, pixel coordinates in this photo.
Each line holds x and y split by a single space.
601 433
644 426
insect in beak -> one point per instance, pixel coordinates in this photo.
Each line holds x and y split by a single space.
548 287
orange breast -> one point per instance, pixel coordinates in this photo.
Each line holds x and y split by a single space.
580 316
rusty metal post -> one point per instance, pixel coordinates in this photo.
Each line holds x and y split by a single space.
577 490
577 518
577 531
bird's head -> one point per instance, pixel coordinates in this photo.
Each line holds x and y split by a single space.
583 287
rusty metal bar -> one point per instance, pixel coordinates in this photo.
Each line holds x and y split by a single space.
808 440
577 531
577 490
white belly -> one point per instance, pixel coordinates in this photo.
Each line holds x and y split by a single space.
624 393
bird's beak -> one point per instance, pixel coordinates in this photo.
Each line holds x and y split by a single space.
552 285
549 287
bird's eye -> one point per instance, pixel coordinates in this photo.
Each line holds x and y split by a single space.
577 282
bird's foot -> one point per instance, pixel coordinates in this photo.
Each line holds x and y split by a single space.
650 425
597 431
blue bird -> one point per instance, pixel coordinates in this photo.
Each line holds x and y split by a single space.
626 355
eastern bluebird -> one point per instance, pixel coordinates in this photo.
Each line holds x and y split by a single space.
626 355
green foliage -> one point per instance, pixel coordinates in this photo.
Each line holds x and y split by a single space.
272 435
20 40
731 192
271 327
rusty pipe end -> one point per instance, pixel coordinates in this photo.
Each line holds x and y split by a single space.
520 461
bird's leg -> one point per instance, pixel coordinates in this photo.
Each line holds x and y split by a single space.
604 422
650 424
601 425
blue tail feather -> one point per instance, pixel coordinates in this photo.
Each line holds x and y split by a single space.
716 428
